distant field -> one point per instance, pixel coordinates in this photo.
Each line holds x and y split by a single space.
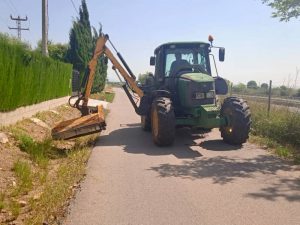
289 102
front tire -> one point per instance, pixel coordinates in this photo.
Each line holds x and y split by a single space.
146 123
238 116
163 122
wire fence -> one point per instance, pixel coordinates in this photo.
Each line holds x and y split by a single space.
269 98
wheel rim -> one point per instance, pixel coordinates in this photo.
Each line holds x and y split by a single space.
155 122
229 116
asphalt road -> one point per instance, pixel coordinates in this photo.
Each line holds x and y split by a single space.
199 180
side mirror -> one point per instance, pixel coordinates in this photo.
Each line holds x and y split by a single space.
221 54
152 60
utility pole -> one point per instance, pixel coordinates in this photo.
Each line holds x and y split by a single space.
45 27
19 27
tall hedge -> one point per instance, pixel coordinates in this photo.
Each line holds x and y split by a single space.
27 77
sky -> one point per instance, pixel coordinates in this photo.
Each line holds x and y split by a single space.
258 47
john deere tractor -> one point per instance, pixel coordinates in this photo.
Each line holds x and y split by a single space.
181 93
184 94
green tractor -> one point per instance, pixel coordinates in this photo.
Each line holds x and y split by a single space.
183 93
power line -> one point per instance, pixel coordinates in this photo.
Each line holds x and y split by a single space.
74 6
13 5
8 3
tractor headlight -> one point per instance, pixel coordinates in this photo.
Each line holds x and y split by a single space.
210 94
202 95
199 95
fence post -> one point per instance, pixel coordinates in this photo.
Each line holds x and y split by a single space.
269 100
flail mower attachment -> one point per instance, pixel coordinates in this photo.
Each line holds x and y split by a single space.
89 124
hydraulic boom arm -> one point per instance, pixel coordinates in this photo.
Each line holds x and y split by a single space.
90 122
100 49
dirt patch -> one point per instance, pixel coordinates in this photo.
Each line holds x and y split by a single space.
21 193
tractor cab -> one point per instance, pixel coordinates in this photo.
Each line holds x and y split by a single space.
184 70
173 59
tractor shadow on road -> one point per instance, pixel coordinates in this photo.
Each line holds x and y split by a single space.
136 141
221 169
218 145
224 170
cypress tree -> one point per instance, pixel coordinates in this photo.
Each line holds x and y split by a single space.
81 47
101 70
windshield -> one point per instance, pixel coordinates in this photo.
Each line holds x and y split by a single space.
179 59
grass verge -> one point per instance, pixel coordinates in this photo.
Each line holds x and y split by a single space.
56 193
46 172
23 173
105 96
280 130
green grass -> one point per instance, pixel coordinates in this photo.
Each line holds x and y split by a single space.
283 152
2 204
27 77
107 96
282 125
279 130
57 192
23 173
40 152
14 208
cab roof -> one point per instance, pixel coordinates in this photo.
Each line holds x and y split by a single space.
180 44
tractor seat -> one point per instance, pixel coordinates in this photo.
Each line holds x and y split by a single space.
180 65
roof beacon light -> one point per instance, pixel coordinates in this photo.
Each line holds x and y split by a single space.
210 39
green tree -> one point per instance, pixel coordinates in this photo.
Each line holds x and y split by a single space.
264 86
252 84
284 9
284 91
239 88
101 70
81 41
56 51
142 78
81 46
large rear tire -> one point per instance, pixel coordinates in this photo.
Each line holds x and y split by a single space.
163 121
146 123
238 115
